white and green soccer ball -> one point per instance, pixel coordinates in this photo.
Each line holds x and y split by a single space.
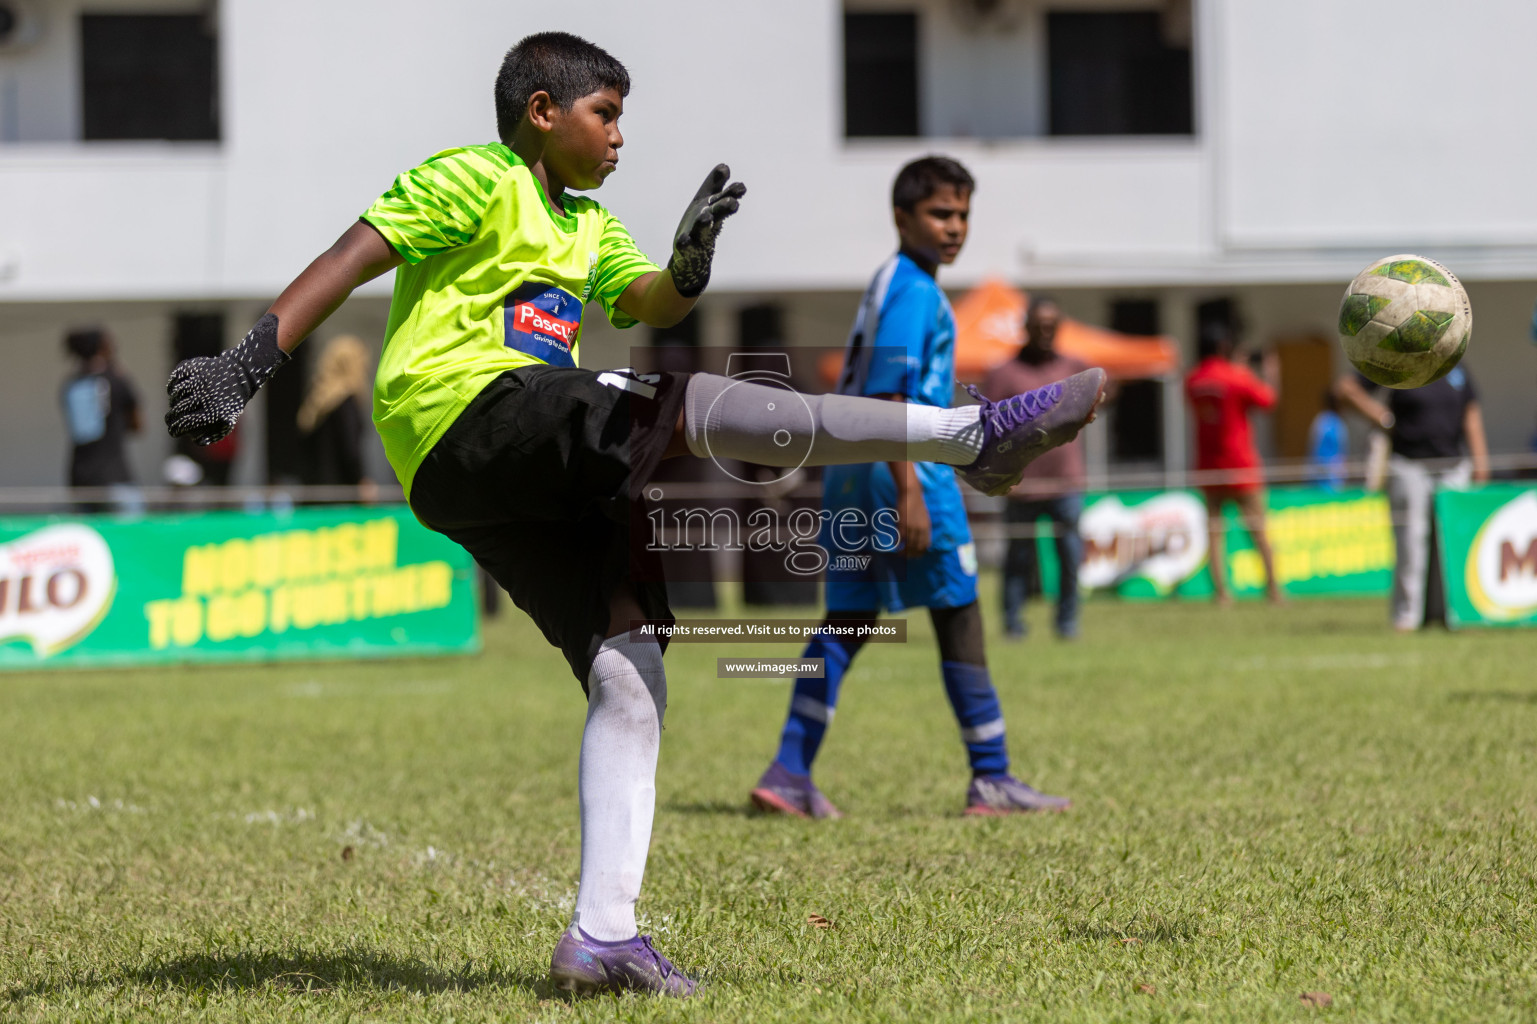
1405 321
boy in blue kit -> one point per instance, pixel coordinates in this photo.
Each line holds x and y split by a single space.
537 466
902 348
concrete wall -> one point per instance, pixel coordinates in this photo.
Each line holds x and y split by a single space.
304 152
1358 125
1308 158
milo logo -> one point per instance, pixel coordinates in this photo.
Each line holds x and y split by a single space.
56 585
1501 571
1162 539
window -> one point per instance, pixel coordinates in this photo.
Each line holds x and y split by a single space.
1134 316
1117 73
284 444
685 332
1136 428
760 325
880 74
148 76
197 335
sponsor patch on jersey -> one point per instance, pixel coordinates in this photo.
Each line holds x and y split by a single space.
543 321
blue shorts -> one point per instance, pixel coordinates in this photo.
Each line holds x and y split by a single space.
888 581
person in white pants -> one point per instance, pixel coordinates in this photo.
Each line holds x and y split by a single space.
1437 437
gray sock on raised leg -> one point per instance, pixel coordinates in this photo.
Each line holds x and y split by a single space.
775 426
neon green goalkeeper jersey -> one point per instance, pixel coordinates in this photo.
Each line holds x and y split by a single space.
494 279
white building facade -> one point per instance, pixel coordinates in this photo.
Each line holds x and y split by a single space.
1321 135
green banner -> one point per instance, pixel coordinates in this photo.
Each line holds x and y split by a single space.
1489 555
1153 544
336 582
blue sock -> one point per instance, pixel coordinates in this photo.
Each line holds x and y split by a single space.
971 693
811 707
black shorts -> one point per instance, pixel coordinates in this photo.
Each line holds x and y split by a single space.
540 480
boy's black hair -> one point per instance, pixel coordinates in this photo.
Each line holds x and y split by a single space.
1219 324
567 67
1032 355
1037 301
922 178
84 343
1216 339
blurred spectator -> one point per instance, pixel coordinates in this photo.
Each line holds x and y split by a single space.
1437 438
1221 393
101 408
1327 443
333 418
1052 486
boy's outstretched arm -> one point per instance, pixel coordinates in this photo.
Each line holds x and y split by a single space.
359 256
662 299
208 394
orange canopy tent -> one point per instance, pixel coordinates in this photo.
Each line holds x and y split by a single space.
989 329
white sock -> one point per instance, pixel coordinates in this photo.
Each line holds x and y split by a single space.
773 426
950 436
627 697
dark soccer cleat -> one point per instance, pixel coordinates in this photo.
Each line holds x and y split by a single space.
780 791
1004 794
582 964
1017 430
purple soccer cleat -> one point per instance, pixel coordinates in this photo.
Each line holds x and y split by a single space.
1017 430
1004 794
780 791
583 964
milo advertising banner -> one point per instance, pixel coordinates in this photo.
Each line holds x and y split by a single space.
1489 555
1153 544
222 586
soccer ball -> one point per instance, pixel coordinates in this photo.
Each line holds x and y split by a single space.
1405 321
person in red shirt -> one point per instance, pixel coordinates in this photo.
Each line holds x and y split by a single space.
1221 393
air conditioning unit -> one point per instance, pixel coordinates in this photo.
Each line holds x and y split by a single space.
21 25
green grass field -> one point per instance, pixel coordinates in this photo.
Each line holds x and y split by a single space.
1269 802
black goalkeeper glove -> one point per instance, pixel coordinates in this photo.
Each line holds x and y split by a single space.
209 393
693 247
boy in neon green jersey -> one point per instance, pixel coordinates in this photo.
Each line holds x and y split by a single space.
532 464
